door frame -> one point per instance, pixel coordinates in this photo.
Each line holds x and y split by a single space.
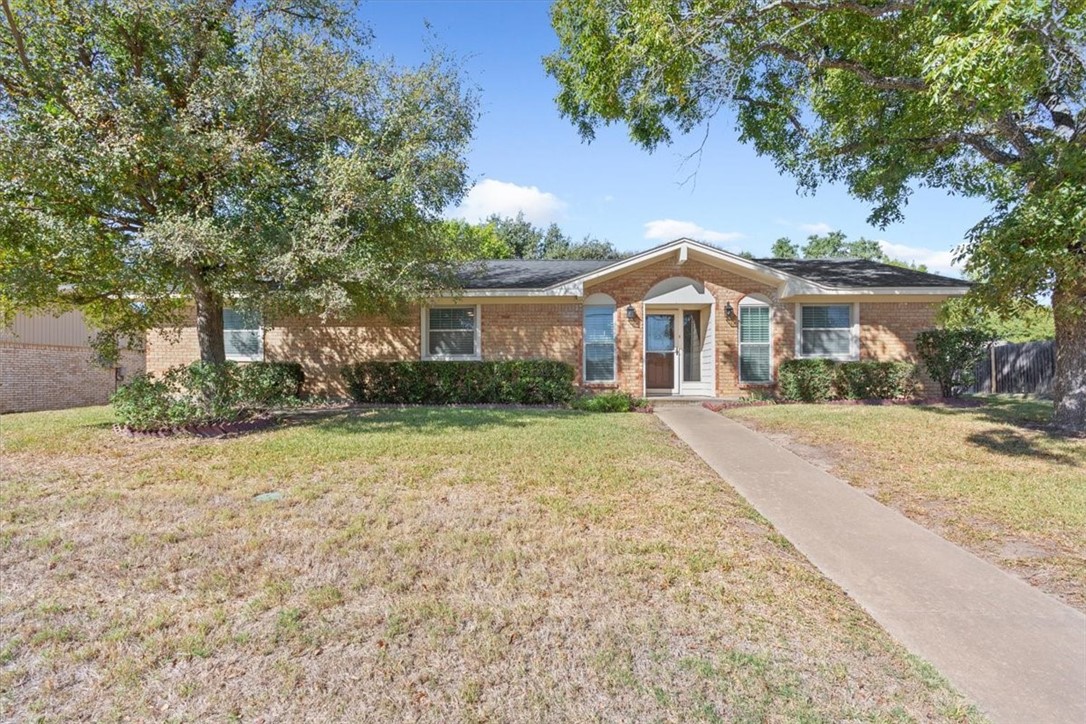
709 314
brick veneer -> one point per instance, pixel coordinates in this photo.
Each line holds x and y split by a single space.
888 332
551 328
49 377
726 287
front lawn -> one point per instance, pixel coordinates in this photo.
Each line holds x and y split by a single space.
420 564
990 478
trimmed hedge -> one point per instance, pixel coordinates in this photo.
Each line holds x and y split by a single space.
806 380
203 393
818 380
875 380
520 382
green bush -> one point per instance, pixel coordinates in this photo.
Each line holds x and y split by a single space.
608 402
204 393
524 382
144 403
269 384
806 380
950 356
817 380
875 380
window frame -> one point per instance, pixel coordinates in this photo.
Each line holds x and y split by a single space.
477 348
757 302
853 353
257 356
599 301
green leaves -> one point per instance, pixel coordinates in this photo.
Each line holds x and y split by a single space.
253 149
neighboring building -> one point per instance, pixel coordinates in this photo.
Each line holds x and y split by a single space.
680 319
46 363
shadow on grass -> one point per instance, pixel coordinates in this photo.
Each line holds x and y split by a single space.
426 420
1030 414
1004 441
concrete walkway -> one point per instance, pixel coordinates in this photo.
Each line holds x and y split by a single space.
1017 652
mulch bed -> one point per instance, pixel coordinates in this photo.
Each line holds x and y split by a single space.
934 401
212 430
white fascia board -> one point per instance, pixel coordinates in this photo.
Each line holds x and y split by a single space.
565 290
804 288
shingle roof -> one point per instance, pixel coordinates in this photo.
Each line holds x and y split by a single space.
540 274
525 273
859 273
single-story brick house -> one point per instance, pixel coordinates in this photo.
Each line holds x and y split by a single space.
681 319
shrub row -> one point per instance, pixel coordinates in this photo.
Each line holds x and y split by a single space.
521 382
816 380
609 402
204 393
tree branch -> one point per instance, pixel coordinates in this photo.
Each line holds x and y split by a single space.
869 77
871 11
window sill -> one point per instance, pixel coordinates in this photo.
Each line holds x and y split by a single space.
834 357
453 358
601 384
236 358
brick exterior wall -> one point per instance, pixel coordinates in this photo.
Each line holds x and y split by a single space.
47 377
533 331
725 286
888 332
324 349
551 328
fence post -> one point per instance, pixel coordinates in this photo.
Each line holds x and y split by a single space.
991 359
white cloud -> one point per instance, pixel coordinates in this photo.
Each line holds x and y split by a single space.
669 229
820 227
936 260
491 196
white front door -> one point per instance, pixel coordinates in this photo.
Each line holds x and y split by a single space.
679 351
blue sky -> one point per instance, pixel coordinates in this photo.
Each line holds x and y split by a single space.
526 157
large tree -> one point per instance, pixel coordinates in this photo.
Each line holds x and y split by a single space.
984 98
161 153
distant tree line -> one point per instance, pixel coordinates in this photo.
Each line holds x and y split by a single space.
504 237
835 245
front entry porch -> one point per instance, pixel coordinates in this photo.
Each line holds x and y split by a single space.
679 342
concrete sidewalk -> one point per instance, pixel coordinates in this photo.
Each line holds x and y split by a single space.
1017 652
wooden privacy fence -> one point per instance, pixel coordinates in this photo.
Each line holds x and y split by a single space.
1027 367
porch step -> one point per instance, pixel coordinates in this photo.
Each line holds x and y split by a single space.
682 401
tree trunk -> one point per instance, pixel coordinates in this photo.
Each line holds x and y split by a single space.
209 324
1069 386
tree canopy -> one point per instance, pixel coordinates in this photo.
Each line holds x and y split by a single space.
984 98
161 153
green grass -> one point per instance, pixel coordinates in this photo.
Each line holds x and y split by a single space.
424 563
991 478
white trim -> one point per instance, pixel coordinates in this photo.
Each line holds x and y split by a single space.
802 288
425 322
753 300
596 300
682 246
854 332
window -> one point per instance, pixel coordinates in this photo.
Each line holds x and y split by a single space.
827 330
451 333
243 336
754 341
599 339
